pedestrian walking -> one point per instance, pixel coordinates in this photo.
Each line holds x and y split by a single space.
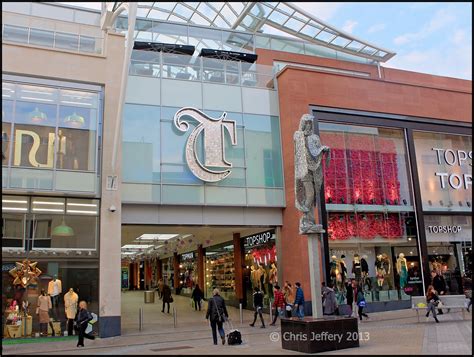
361 304
159 289
329 299
197 296
42 310
289 294
217 314
278 304
167 298
299 301
349 296
258 306
439 285
83 318
432 300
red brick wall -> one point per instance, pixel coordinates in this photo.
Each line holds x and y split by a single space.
397 92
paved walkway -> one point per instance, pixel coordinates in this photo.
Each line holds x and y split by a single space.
391 332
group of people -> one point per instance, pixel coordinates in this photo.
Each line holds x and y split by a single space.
354 295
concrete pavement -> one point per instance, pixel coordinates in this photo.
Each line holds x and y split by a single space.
391 332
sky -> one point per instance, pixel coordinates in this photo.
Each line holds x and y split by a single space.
428 37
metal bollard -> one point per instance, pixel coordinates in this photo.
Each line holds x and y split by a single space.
271 312
241 311
140 319
175 317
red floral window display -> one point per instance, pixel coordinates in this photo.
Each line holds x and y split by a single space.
345 226
264 255
336 176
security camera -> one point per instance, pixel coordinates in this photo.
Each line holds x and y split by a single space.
112 208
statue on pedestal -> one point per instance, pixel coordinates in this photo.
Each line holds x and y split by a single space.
308 173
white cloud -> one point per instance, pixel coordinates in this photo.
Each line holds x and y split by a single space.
349 26
376 28
441 19
321 10
459 37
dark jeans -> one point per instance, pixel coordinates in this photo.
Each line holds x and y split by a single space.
196 304
275 315
362 313
163 309
259 312
218 325
82 334
70 326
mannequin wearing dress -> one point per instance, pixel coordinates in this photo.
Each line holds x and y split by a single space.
402 270
380 270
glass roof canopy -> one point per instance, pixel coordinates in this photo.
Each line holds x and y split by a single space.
254 17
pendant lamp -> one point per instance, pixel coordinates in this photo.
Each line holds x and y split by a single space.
63 230
37 116
74 120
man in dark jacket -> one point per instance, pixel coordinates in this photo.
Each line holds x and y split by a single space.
349 296
197 296
439 284
216 313
166 294
299 301
258 306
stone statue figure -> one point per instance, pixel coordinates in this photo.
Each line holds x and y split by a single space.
308 173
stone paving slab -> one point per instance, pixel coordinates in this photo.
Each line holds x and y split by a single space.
390 332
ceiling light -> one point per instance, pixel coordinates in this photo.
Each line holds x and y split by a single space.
14 201
48 209
14 208
82 204
48 203
63 230
74 120
81 211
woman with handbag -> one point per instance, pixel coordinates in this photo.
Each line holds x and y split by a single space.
217 314
432 300
167 298
83 318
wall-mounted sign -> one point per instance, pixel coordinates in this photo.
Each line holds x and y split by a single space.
258 239
214 149
444 229
453 158
187 256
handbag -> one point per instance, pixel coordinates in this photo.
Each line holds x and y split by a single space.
171 299
288 307
221 318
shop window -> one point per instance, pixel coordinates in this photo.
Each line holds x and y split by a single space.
188 273
219 265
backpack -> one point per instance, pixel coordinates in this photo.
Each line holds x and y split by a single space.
234 338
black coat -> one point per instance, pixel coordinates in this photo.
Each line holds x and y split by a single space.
258 299
349 294
166 293
83 316
439 284
216 302
197 294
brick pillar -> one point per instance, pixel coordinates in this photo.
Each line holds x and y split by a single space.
201 252
159 269
238 267
176 270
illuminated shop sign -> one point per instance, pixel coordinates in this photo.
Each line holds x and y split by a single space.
258 239
213 131
187 256
453 158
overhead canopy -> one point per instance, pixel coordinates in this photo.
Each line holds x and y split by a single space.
228 55
256 17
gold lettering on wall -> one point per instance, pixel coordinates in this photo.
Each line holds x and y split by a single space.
34 149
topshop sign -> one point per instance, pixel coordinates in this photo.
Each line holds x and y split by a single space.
258 239
454 158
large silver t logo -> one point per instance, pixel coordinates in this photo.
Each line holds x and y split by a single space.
214 131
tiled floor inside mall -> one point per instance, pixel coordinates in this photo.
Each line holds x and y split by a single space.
391 332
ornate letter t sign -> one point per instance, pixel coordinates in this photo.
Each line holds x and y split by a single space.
214 132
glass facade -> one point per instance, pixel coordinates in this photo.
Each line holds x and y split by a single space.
154 154
50 137
371 221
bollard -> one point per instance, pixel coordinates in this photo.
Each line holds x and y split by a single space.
271 312
241 314
175 317
140 319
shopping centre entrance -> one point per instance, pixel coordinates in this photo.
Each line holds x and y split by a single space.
231 258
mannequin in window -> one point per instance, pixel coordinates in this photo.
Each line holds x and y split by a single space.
388 268
273 278
380 271
356 267
343 265
61 148
262 275
333 271
253 276
43 306
402 270
365 272
70 307
54 290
